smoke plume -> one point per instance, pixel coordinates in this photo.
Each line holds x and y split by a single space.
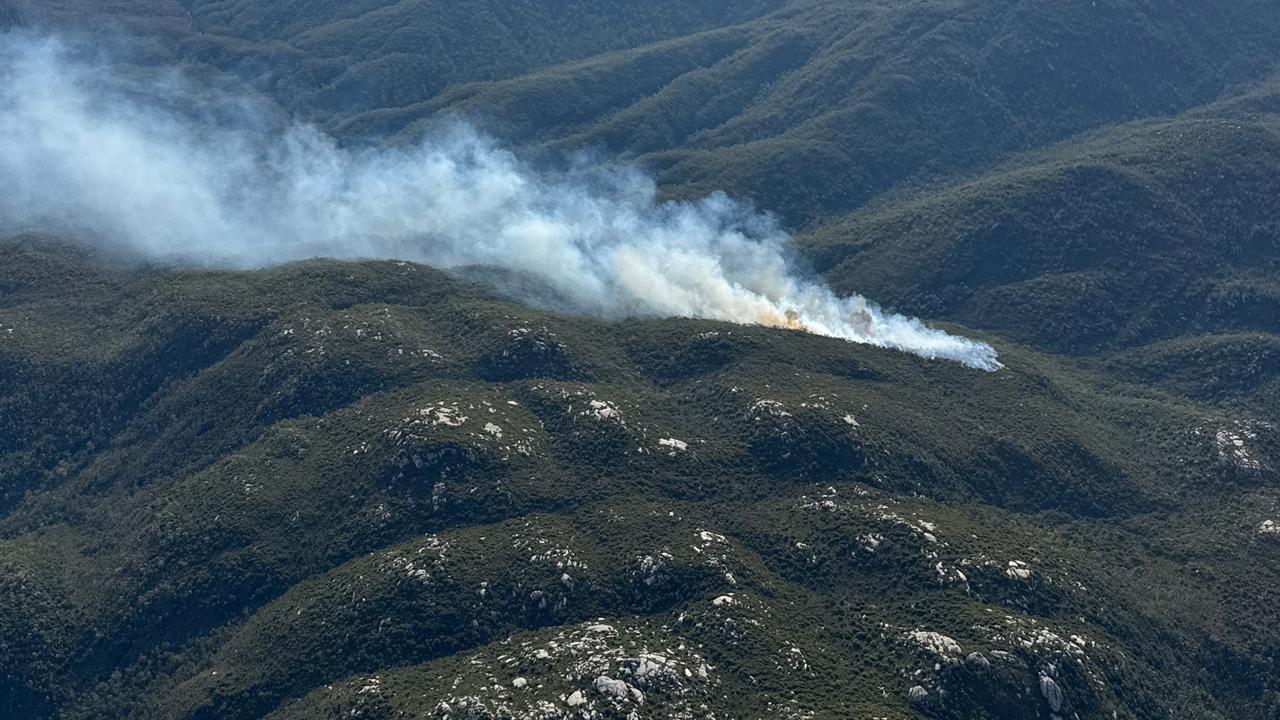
84 152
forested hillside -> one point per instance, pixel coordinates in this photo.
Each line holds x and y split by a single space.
810 108
254 485
385 490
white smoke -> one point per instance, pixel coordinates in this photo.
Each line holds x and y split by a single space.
79 153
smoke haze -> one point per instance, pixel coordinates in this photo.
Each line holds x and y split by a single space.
80 154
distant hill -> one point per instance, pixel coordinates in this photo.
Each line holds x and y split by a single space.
1152 230
326 58
810 107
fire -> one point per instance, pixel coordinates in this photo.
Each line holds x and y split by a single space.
789 319
860 322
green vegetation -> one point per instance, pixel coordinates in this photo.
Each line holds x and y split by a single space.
379 490
260 491
811 107
1149 231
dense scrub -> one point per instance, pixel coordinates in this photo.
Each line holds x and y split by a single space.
378 490
329 479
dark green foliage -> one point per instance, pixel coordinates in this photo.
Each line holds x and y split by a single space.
669 354
1240 370
1166 229
810 108
526 353
363 489
371 430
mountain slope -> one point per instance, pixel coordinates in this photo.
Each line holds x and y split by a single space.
1151 230
378 490
327 58
403 470
812 108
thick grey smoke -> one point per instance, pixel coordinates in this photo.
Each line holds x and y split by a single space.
79 153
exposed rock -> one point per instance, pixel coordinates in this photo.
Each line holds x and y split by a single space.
978 661
609 687
767 407
918 694
1236 444
675 444
1051 692
602 410
447 415
1018 570
936 643
651 671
